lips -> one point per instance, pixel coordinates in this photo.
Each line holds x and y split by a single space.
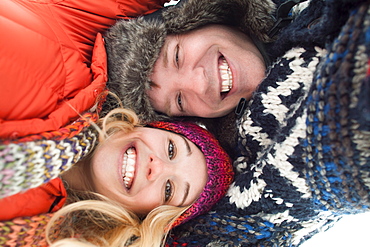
128 167
226 76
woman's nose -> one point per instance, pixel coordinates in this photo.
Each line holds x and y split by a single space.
155 167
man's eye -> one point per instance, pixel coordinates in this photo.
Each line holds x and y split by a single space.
179 102
168 191
171 150
177 56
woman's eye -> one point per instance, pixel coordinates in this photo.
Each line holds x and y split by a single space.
171 150
168 191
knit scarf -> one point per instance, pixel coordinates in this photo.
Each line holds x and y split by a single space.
34 160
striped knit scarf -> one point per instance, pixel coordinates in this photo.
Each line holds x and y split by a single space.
34 160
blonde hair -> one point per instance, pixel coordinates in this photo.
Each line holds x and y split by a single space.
119 119
106 223
94 219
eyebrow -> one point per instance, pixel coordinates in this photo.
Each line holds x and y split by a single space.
167 105
165 56
189 152
186 193
187 185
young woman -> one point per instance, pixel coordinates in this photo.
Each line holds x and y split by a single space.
134 187
303 139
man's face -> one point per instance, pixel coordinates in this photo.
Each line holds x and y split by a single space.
205 72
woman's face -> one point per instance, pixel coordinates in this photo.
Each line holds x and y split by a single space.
147 168
205 72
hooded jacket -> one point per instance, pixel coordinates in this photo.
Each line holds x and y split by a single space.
48 72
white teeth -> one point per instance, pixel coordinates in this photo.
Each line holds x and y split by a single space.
130 163
128 167
226 76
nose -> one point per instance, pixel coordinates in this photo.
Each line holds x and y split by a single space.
197 81
155 167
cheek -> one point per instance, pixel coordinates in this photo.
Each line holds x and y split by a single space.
157 99
102 169
225 107
256 62
144 202
104 173
103 183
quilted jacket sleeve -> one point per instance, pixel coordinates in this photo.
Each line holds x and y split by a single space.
46 198
47 77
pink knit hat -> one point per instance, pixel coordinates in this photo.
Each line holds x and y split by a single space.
220 171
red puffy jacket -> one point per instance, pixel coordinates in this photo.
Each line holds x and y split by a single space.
48 197
47 70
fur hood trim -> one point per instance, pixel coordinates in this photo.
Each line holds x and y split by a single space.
133 46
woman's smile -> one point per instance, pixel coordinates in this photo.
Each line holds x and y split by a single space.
129 167
147 168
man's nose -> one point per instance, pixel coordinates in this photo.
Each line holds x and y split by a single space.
155 167
197 81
